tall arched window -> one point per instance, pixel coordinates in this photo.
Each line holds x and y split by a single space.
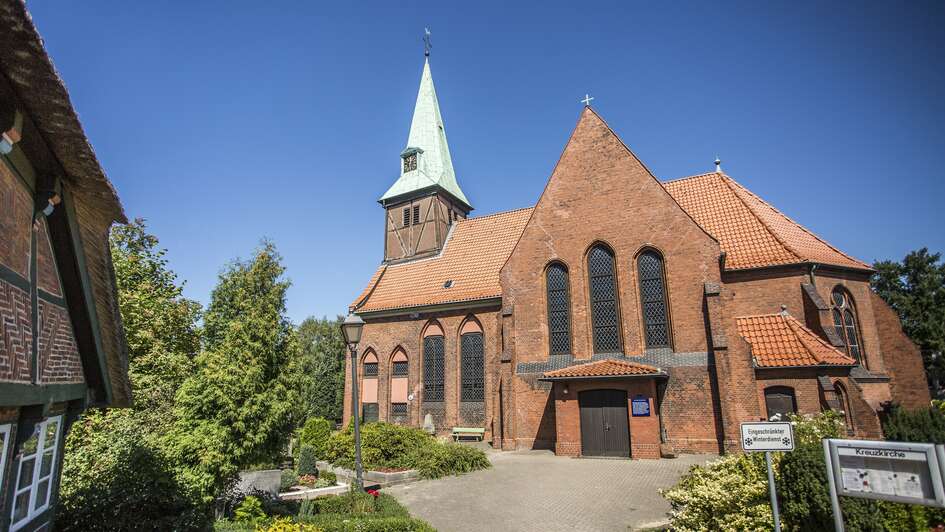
472 362
844 406
369 409
653 299
433 364
603 287
846 324
779 402
398 386
559 309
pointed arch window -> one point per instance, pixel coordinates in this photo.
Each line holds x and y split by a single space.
844 406
398 386
603 296
433 373
846 324
653 299
559 309
472 363
369 410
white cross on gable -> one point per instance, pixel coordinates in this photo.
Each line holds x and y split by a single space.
587 100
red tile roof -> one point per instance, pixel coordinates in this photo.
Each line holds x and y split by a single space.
472 257
603 368
779 340
751 232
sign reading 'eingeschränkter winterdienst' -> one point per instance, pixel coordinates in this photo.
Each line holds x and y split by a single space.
893 471
767 436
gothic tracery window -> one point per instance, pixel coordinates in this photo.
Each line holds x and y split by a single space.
559 309
653 299
433 374
846 324
472 368
603 291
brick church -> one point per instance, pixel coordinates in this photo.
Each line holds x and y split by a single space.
653 328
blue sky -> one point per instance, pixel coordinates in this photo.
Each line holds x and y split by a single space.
225 122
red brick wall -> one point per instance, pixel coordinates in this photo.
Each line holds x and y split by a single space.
59 360
689 410
385 335
901 356
16 344
644 430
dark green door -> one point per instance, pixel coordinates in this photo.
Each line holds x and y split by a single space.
604 426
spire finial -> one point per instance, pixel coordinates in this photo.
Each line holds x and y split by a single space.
426 42
718 165
587 100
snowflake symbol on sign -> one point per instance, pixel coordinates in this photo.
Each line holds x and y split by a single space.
747 442
785 442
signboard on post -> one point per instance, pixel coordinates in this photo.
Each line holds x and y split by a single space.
768 436
890 471
765 436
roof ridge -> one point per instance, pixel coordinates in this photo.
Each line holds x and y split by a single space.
499 213
791 220
728 181
706 174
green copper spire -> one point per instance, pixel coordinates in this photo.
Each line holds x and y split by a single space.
427 142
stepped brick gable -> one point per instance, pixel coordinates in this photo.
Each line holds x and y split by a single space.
621 315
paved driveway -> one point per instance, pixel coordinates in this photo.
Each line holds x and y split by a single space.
536 490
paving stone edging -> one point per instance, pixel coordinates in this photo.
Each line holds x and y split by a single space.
378 477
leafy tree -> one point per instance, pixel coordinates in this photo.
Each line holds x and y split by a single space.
915 289
115 473
323 355
160 324
244 398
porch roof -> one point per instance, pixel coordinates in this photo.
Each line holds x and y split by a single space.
603 369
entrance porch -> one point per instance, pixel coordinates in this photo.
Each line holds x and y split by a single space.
606 408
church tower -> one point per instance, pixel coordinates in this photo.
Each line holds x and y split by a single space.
426 200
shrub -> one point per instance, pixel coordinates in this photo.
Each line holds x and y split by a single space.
288 479
306 465
328 476
926 425
249 511
441 459
342 523
115 476
385 445
353 504
728 494
315 432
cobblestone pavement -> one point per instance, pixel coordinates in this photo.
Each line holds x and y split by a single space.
535 490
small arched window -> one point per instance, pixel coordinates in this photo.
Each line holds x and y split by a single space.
369 410
653 299
398 386
605 319
433 364
779 402
846 324
472 363
844 406
559 309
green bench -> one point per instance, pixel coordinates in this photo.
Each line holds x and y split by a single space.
459 432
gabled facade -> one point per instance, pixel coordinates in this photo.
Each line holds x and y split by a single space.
625 316
62 347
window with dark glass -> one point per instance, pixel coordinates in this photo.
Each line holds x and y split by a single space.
559 310
369 412
407 217
471 366
433 368
400 368
845 323
603 288
779 402
416 214
370 369
398 409
844 407
653 299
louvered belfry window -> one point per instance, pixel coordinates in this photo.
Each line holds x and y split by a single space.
559 310
471 365
603 288
433 368
653 299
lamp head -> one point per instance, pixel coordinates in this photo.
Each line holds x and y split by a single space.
351 329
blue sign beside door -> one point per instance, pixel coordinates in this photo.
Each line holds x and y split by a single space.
640 406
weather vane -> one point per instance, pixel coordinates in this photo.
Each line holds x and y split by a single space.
426 42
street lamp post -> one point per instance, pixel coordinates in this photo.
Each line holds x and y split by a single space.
351 330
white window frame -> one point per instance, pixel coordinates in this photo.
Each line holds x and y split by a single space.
6 430
33 487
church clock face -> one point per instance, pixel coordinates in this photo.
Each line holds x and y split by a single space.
410 162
